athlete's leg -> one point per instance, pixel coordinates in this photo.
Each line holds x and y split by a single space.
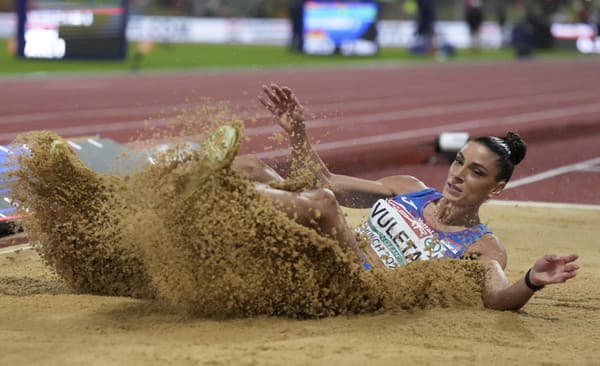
317 209
255 169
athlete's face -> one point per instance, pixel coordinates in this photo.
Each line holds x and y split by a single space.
472 176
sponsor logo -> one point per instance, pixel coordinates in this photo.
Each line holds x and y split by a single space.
387 252
433 247
420 228
409 202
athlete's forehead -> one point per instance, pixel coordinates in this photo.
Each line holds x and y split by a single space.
479 154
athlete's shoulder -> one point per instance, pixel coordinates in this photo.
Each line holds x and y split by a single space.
401 184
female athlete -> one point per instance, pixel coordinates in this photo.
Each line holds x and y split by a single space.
409 221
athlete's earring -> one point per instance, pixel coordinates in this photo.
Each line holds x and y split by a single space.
498 189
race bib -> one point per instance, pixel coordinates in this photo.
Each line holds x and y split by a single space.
398 237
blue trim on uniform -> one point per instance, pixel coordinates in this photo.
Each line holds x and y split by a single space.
415 203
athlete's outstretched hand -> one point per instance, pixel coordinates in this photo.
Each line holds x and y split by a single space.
553 269
282 103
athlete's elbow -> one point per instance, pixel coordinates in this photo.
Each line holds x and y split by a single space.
496 302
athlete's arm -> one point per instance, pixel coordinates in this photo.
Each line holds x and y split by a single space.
350 191
362 193
498 293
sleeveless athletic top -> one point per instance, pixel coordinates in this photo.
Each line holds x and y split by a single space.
399 234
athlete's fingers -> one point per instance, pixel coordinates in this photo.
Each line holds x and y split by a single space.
270 92
271 95
551 258
271 108
289 95
264 102
280 94
571 268
296 102
566 276
570 258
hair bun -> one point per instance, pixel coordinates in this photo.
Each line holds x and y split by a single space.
517 147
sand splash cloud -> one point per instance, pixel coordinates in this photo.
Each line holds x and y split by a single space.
202 239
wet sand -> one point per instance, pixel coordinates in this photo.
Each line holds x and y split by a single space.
42 322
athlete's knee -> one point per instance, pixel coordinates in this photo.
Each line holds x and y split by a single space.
254 168
324 201
246 162
326 195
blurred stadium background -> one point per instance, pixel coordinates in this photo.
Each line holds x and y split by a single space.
525 25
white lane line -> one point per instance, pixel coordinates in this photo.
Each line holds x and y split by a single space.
430 111
271 128
434 131
15 248
555 113
2 215
536 116
553 172
4 149
573 206
95 143
8 200
93 129
347 106
86 113
76 146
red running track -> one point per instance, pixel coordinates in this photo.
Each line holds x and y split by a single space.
369 121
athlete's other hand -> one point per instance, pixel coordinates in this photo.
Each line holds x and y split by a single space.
553 269
284 106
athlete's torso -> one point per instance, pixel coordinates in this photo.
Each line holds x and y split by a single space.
398 232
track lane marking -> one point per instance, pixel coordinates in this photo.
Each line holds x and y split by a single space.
537 116
95 143
435 110
15 248
556 205
582 165
74 145
546 114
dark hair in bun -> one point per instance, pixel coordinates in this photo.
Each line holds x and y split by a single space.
510 149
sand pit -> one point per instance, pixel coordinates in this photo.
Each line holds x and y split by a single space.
44 323
186 262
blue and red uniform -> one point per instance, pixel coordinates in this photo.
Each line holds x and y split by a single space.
399 233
